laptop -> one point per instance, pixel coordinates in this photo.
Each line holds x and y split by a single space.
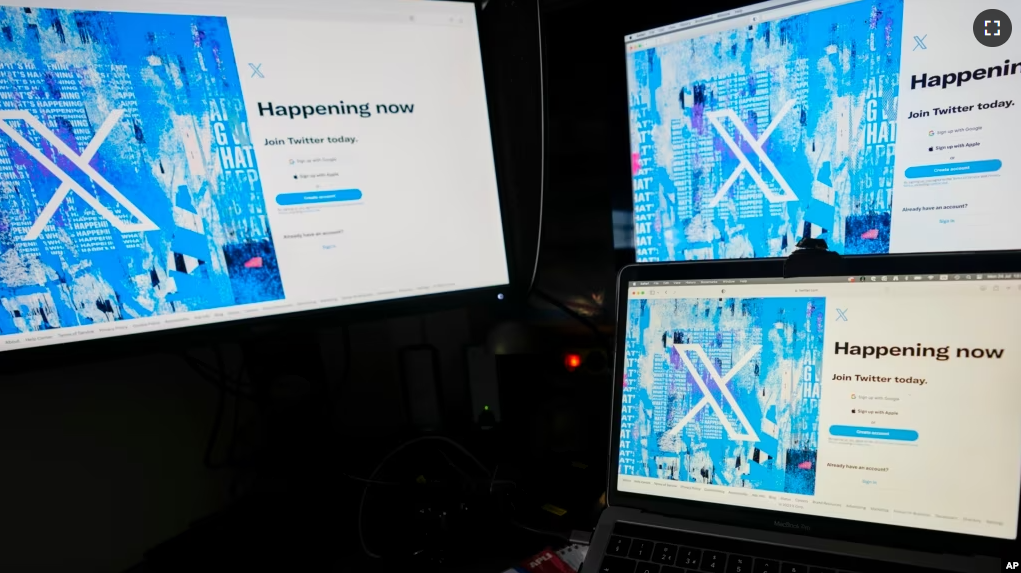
865 420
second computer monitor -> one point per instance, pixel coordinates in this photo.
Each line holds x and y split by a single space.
882 126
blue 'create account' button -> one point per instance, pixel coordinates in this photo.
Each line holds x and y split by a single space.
874 433
947 169
310 197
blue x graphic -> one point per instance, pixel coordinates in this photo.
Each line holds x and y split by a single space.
256 72
842 314
920 43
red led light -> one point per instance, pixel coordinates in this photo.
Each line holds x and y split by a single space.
572 361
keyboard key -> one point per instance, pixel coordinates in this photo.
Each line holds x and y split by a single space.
618 546
665 553
647 568
793 568
641 549
713 561
671 570
688 557
766 566
739 564
617 565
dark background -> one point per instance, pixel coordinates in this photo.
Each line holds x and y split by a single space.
103 461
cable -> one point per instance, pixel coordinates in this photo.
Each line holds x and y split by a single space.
542 141
380 482
218 378
200 367
573 314
493 479
561 535
543 109
453 466
579 537
395 451
217 421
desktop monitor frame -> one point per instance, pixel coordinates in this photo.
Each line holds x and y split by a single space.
646 21
496 297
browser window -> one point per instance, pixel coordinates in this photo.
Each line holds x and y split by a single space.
878 399
164 164
881 126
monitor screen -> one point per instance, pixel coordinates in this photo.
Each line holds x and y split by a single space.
168 164
881 126
842 397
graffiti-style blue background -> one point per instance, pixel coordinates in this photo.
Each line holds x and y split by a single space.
777 391
179 152
835 148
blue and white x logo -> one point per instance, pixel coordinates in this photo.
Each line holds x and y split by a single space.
707 397
920 43
716 117
842 315
67 183
256 70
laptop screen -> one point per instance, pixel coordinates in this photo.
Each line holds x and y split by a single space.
884 399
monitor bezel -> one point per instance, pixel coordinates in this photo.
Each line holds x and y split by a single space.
499 296
833 528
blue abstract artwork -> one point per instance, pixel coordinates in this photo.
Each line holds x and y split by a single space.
745 141
128 185
723 391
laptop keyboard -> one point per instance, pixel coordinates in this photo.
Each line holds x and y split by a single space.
641 549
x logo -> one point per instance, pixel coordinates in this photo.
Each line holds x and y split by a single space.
842 315
707 397
67 183
256 71
920 43
715 118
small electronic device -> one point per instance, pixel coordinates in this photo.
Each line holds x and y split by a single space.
768 421
165 165
881 126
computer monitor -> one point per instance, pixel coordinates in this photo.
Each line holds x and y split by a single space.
881 126
745 396
169 164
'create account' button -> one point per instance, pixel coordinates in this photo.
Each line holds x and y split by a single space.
947 169
874 433
311 197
